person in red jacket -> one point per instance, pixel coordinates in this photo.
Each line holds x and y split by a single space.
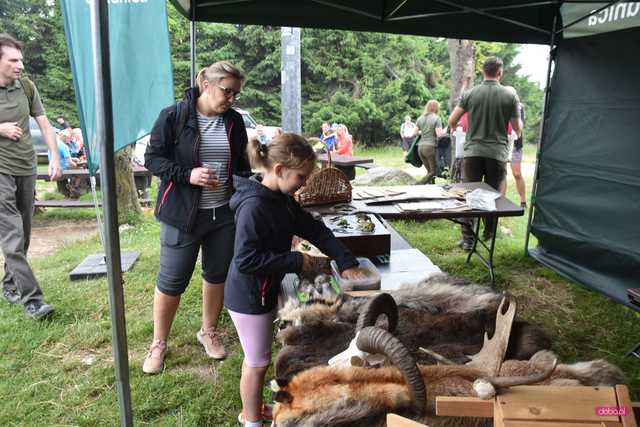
344 141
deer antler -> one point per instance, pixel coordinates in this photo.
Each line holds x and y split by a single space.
491 355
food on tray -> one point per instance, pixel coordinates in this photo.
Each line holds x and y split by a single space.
368 276
361 273
365 224
360 222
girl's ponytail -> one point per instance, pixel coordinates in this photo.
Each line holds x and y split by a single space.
258 154
288 149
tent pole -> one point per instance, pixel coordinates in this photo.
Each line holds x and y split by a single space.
545 107
104 136
193 35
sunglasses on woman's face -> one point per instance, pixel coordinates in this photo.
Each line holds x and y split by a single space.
228 93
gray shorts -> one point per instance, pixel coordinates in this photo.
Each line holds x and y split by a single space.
516 155
179 250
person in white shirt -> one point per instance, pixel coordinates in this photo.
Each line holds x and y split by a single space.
408 131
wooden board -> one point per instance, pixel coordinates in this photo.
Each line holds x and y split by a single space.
551 403
512 423
394 420
452 406
624 401
362 293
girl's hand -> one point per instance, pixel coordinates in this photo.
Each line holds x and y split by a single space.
203 177
352 273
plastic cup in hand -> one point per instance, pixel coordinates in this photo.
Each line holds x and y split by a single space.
214 167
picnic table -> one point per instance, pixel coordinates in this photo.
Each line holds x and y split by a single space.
346 164
389 208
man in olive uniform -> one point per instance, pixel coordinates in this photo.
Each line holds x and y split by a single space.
490 107
19 99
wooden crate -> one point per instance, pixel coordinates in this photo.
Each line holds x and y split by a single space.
362 244
545 406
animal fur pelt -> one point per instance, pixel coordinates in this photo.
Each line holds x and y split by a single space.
446 314
350 396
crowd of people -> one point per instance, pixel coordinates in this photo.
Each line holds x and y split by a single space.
486 129
337 138
484 133
265 138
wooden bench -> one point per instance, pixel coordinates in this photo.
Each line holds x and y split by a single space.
81 184
67 203
138 171
366 165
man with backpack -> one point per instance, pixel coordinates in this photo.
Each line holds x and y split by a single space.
19 99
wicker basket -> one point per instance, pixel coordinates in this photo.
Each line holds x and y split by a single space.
324 186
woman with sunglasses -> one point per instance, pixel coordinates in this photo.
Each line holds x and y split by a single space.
195 147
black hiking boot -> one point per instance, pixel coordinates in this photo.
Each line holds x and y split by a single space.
37 310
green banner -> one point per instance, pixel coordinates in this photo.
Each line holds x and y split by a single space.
618 16
141 72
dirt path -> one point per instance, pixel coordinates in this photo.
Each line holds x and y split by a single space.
48 235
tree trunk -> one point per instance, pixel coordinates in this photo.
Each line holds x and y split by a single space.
462 55
129 209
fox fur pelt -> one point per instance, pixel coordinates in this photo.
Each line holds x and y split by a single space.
359 397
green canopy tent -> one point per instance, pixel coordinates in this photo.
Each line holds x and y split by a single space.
587 199
517 21
584 227
586 194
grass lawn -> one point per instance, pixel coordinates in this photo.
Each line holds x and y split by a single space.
59 371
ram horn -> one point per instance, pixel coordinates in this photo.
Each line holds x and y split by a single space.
376 340
377 305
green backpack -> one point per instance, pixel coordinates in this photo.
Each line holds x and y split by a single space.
29 90
412 156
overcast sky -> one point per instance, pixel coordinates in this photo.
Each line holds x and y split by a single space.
533 60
